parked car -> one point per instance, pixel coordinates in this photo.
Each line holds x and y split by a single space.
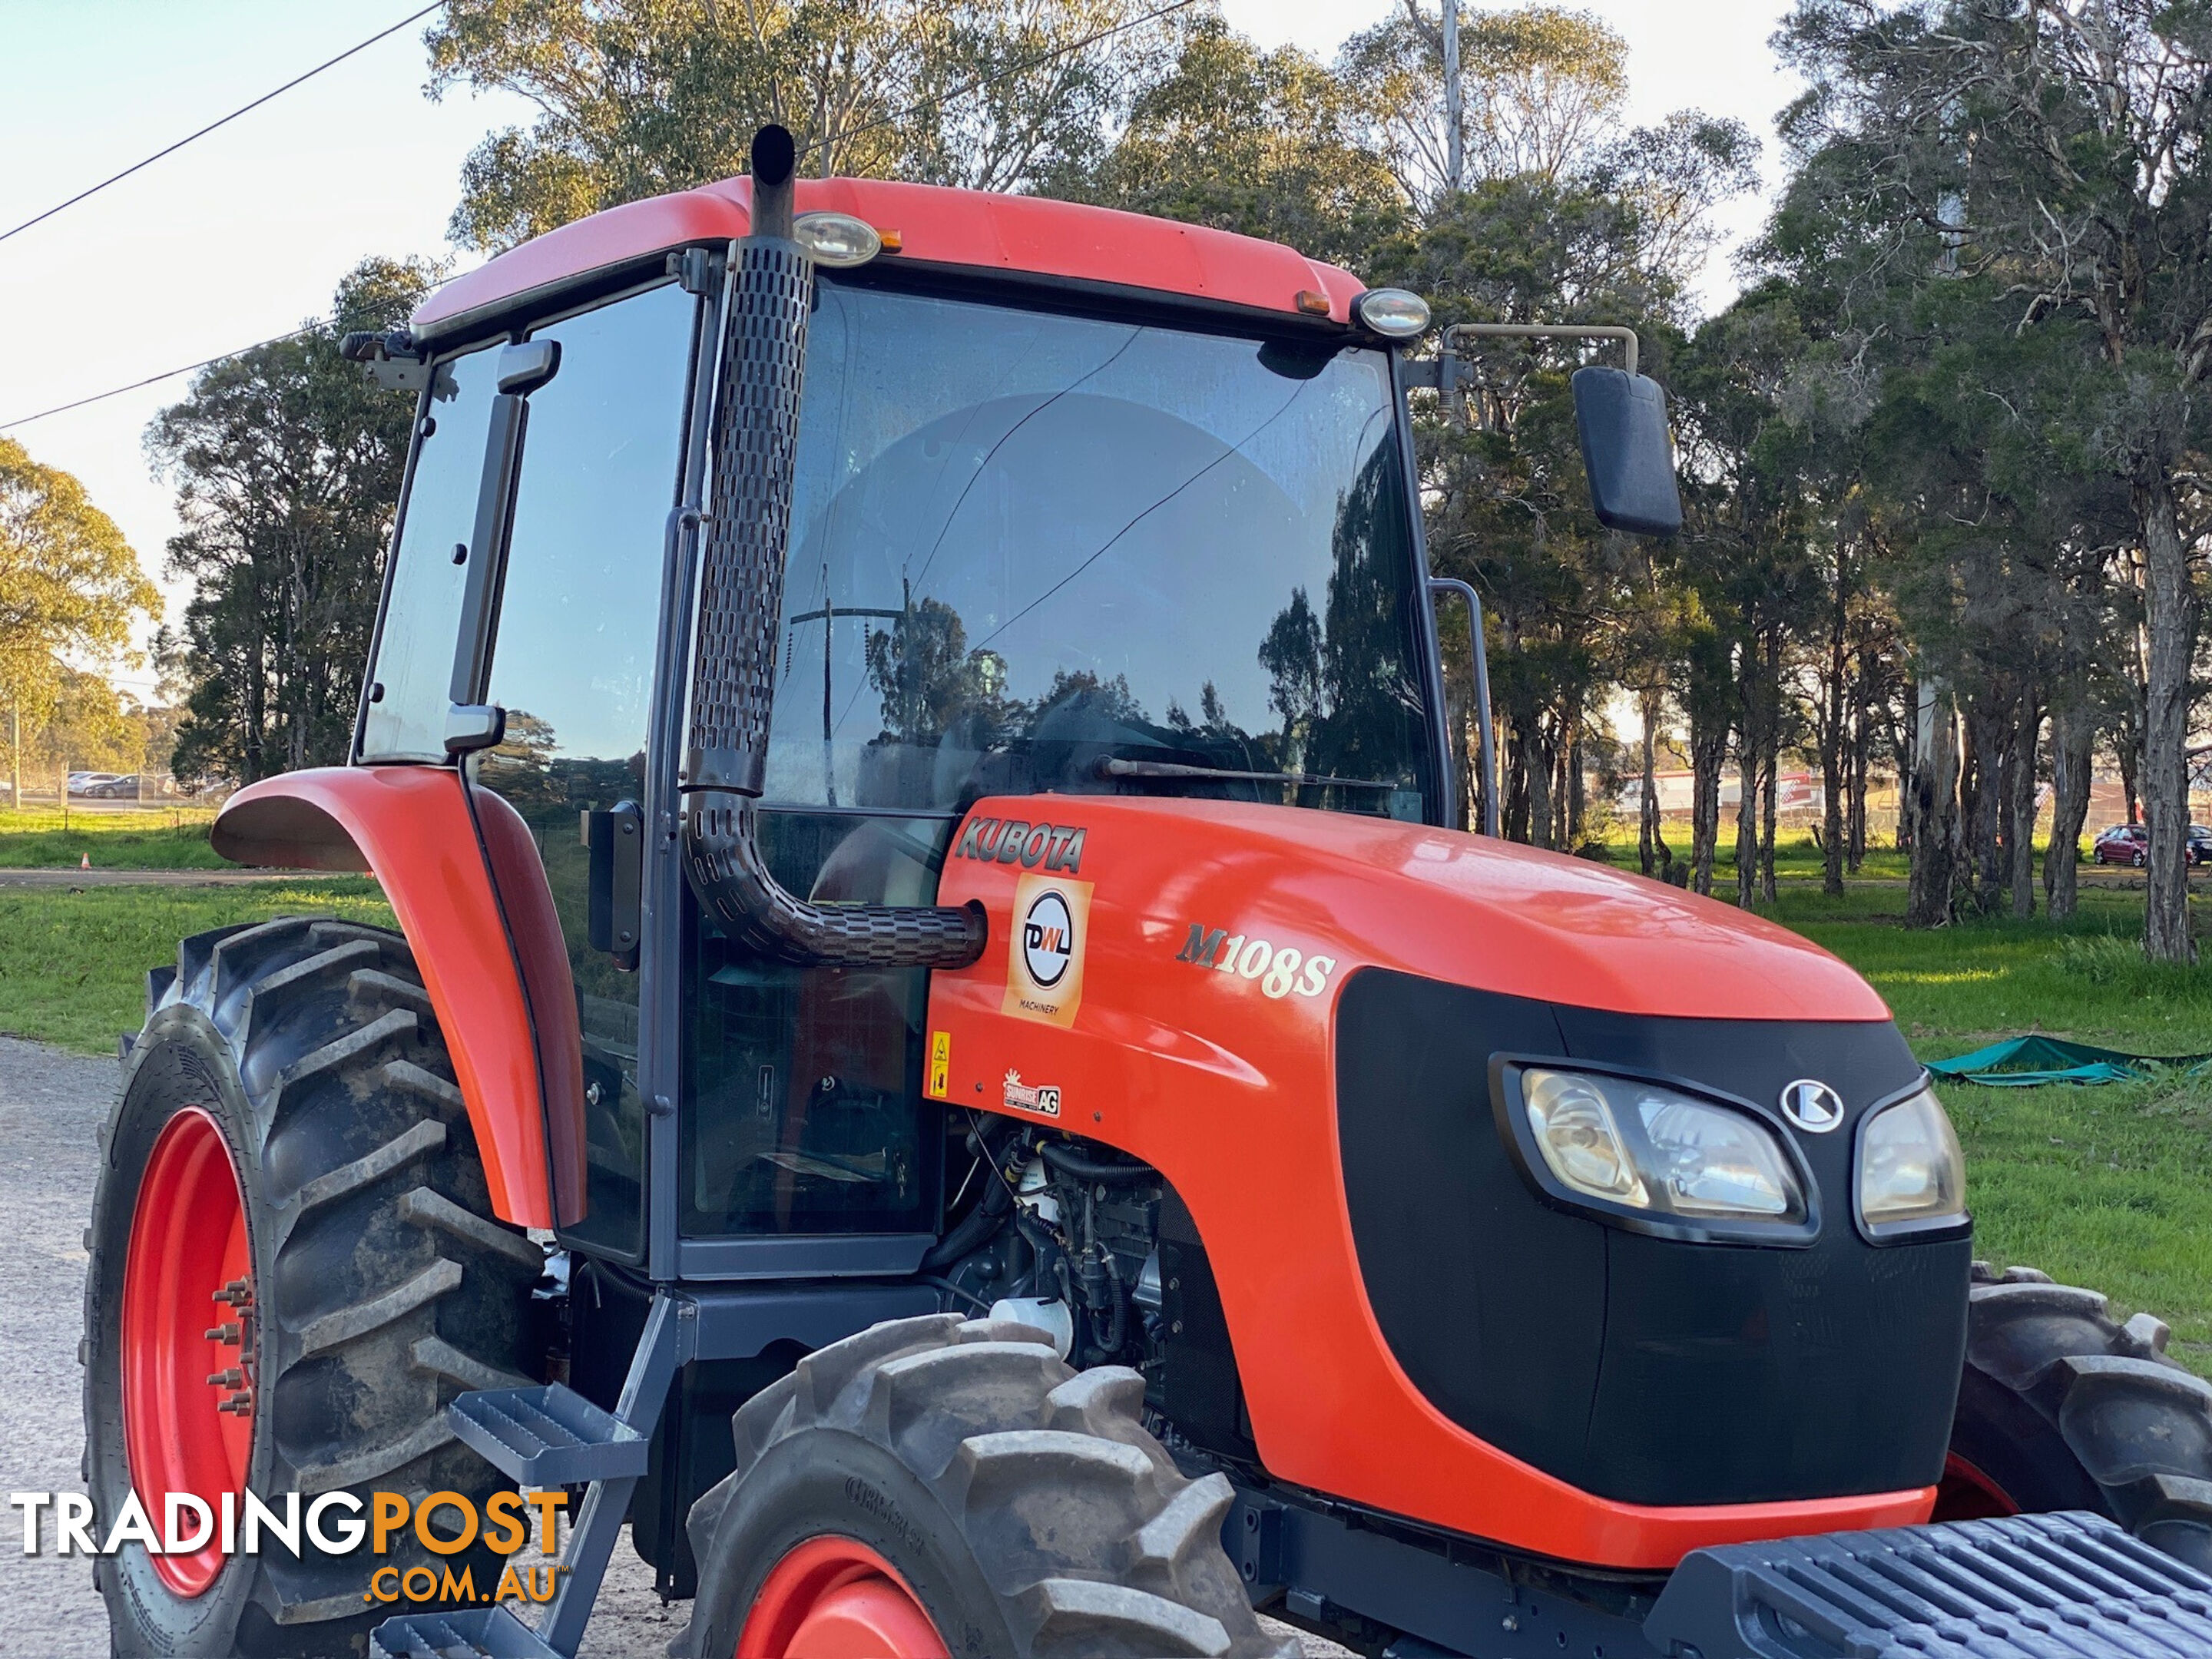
2130 844
2124 844
113 788
86 783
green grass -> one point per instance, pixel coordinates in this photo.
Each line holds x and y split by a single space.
73 963
165 838
2108 1186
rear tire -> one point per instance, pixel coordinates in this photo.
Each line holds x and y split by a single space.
1021 1502
2062 1409
380 1285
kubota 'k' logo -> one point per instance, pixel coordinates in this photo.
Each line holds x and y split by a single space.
1812 1105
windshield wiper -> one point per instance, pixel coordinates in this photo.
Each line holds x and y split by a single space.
1112 766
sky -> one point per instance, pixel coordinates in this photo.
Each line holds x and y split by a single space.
244 234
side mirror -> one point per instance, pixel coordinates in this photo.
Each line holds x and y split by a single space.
1622 418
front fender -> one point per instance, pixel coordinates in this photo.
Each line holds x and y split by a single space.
486 964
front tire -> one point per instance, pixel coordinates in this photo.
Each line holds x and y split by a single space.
1021 1504
365 1285
2061 1408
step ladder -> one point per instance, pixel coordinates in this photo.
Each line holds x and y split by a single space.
546 1436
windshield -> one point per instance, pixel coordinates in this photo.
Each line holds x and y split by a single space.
1032 551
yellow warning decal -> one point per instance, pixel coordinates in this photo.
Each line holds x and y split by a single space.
940 1065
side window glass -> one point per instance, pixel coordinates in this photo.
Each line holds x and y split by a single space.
573 662
803 1112
414 669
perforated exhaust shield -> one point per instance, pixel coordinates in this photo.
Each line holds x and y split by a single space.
748 530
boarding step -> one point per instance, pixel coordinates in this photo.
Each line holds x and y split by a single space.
467 1634
548 1436
2022 1587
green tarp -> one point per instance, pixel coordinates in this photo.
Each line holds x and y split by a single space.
2023 1062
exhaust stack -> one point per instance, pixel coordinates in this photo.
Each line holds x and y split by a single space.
755 442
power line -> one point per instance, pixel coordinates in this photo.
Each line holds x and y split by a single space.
975 85
165 374
241 110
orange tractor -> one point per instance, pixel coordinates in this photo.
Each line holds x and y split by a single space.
947 1058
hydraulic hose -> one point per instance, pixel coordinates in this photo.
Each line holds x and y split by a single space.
1079 1167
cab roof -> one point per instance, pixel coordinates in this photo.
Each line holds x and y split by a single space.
1017 234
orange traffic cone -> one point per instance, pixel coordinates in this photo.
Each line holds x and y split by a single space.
84 861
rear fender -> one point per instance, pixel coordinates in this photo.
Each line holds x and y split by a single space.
479 918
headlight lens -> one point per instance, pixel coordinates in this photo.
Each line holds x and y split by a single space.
836 238
1911 1168
1576 1131
1394 312
1650 1148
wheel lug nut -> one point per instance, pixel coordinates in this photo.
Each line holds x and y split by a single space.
238 1293
228 1333
240 1404
230 1379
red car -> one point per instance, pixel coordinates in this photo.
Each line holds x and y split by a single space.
2124 844
2130 844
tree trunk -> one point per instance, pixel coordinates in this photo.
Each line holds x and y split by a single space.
1708 755
1578 797
2169 604
1513 819
1835 832
2073 731
1981 798
1653 856
1770 788
1747 819
2022 831
1855 844
1541 763
1935 802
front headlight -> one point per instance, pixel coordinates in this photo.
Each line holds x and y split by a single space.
1649 1148
1912 1173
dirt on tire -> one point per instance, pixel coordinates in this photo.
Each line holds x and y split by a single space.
382 1285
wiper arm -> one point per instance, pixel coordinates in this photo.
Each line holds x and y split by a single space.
1112 766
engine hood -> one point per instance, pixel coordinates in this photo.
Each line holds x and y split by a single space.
1466 910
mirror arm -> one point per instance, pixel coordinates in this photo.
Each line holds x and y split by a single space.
1544 331
1489 762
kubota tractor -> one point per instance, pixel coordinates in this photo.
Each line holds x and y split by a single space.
946 1055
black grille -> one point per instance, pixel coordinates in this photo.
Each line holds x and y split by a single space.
2061 1586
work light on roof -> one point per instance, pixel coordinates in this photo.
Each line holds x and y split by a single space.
1394 312
836 238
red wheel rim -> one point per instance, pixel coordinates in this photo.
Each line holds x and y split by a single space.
188 1337
1967 1494
834 1598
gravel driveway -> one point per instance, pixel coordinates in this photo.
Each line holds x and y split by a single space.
51 1106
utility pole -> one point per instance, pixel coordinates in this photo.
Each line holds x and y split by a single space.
1455 148
16 755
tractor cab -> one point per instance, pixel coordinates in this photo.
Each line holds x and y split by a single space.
906 738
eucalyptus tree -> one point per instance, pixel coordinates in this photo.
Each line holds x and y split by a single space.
287 463
2056 151
640 97
70 586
